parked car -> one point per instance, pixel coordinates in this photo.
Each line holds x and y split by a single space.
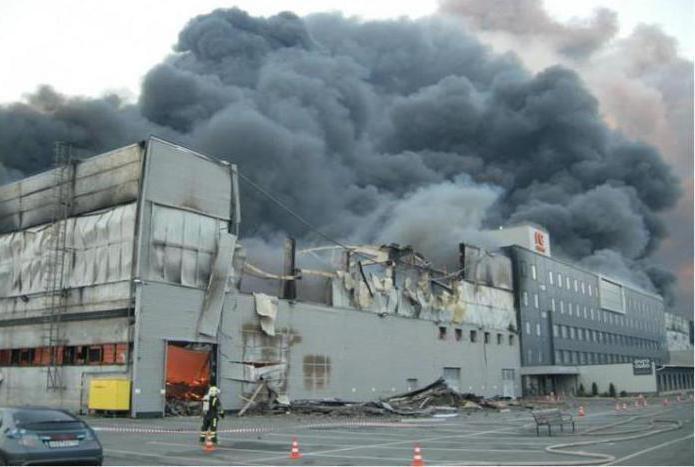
43 436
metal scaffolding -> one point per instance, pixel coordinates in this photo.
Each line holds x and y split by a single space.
55 256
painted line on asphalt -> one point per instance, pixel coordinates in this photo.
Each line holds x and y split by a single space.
653 448
217 448
164 456
421 441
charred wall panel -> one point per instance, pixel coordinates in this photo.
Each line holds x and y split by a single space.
99 182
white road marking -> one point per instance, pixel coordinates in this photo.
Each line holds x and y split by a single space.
187 460
653 448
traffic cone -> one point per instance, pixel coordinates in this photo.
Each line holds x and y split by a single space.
294 454
624 406
636 404
209 446
581 411
417 458
617 407
665 402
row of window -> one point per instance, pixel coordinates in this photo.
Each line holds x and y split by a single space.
580 287
99 354
591 335
473 336
571 357
601 316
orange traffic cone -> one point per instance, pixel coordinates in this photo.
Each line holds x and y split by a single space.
294 454
209 446
417 458
581 411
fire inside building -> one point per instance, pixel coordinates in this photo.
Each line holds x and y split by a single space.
124 271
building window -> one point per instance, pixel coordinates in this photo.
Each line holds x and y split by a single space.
591 313
583 289
552 304
559 280
528 327
562 306
555 333
586 313
511 339
572 335
499 339
474 336
589 287
442 332
535 300
523 269
486 336
550 277
458 334
567 282
569 308
576 285
524 296
529 356
533 272
563 329
538 329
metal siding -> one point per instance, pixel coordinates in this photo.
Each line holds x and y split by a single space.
165 312
178 177
100 182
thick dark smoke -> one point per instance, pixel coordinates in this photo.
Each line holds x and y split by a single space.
387 131
643 84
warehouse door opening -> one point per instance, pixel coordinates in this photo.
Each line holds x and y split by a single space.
190 369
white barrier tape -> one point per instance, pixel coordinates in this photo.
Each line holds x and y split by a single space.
148 429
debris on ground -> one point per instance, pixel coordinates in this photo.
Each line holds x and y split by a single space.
435 400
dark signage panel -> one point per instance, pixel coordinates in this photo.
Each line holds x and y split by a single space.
642 366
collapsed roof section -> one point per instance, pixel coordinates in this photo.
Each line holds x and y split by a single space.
396 280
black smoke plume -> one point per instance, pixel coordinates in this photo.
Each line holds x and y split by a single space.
394 131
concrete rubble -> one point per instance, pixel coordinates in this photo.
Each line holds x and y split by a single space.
435 400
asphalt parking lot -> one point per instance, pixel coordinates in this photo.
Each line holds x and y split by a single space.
655 435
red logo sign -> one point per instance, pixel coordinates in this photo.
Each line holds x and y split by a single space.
539 240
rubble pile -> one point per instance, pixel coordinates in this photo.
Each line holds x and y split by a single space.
437 399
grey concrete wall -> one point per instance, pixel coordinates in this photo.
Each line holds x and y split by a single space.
621 375
27 385
369 356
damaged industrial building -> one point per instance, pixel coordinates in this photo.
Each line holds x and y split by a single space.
125 271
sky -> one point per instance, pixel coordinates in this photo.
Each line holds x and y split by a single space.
87 48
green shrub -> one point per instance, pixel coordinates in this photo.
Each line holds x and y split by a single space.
611 390
581 392
594 389
623 393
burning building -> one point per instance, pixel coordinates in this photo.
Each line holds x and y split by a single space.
128 265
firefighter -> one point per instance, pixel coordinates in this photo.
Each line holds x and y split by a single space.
212 411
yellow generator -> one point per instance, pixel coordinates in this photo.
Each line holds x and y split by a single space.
109 394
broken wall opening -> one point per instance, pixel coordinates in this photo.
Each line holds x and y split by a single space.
190 370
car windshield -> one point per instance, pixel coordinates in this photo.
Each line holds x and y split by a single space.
34 416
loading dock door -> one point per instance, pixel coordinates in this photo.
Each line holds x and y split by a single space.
452 376
188 374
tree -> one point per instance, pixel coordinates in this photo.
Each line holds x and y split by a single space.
594 389
611 390
581 392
